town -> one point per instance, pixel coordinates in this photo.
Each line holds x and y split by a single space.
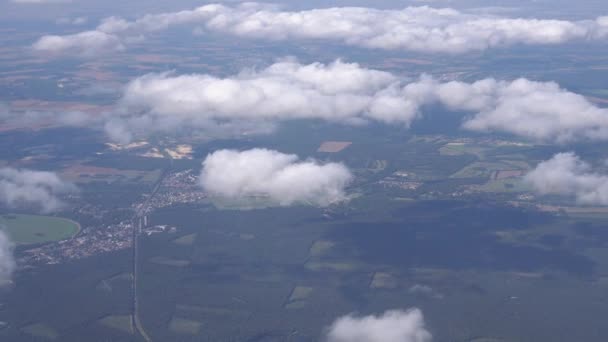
176 188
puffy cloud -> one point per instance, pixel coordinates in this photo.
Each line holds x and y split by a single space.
338 92
7 261
392 326
20 118
348 93
39 1
254 101
422 29
566 174
287 90
538 110
24 118
72 21
280 178
87 44
20 187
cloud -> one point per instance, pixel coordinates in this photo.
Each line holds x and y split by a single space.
422 29
25 118
280 178
72 21
40 1
537 110
350 94
392 326
7 261
254 101
338 92
38 189
567 175
85 44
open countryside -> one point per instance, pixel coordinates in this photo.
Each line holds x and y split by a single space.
33 229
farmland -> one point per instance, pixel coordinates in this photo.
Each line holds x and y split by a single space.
32 229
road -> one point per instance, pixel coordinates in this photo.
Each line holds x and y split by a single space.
138 226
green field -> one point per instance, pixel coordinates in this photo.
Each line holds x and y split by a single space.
458 149
598 92
31 229
118 322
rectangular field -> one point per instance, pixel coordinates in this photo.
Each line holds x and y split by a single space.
333 146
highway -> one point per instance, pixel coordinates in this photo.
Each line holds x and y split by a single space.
138 226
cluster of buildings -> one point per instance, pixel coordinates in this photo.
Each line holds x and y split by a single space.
402 180
90 241
161 228
178 188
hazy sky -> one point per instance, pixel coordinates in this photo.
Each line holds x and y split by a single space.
51 9
106 41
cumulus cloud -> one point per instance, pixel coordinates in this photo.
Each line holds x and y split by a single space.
7 261
422 29
87 44
338 92
281 179
566 174
72 21
392 326
25 118
538 110
39 189
255 100
350 94
39 1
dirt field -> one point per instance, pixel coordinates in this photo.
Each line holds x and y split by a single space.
333 146
505 174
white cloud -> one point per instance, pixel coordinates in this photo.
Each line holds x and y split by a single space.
537 110
24 118
338 92
392 326
39 189
7 261
566 174
422 29
280 178
86 44
350 94
254 101
72 21
39 1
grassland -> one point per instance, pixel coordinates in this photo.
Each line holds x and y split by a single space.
383 280
31 229
160 260
298 297
320 248
185 240
300 293
319 266
109 284
505 185
41 331
577 212
81 173
458 149
486 169
118 322
184 326
598 92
